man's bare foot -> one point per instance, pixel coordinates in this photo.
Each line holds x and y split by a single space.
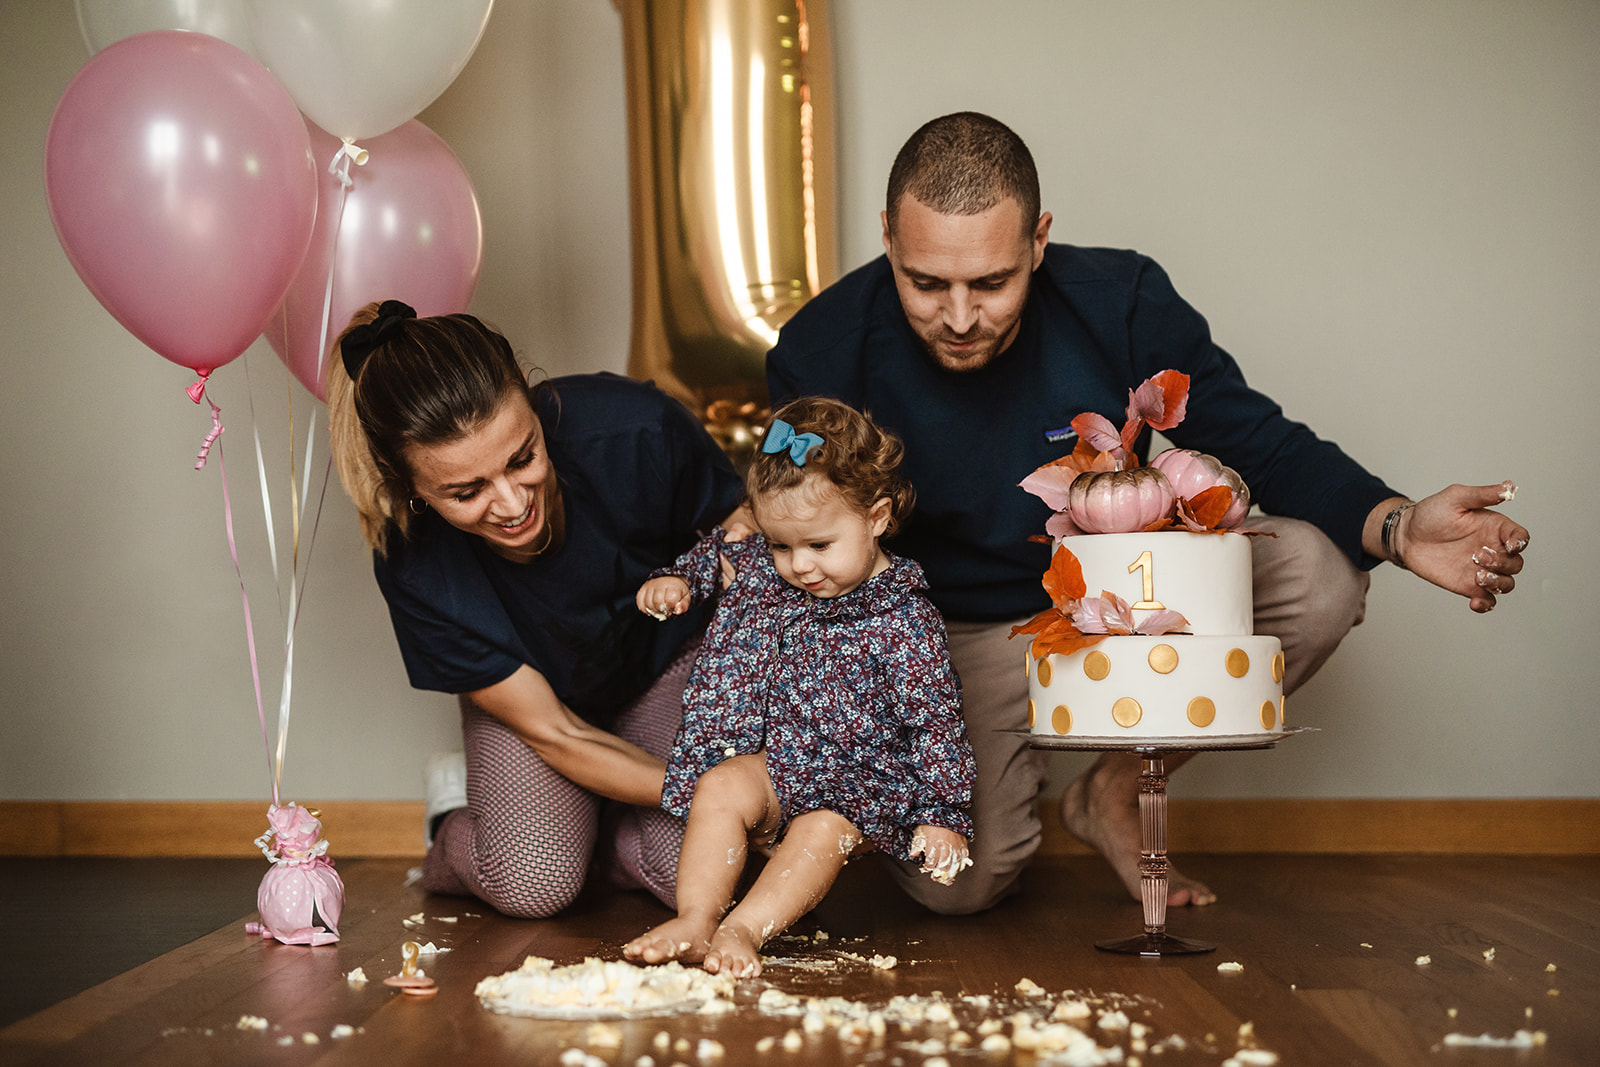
683 938
1101 809
733 951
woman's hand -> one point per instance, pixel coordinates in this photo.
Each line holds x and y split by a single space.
740 523
943 852
588 756
662 597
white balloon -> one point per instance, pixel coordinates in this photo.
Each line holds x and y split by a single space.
106 22
359 68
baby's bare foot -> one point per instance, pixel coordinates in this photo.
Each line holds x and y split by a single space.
733 951
683 938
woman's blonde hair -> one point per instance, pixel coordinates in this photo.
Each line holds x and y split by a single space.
859 458
417 382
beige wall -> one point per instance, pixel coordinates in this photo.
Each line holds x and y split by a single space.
1388 212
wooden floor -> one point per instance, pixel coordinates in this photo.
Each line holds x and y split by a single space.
1329 947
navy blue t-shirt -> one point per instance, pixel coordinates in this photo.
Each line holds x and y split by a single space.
640 481
1097 323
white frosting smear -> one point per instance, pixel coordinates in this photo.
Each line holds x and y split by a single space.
1521 1039
598 989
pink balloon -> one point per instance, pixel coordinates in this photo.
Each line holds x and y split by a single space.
410 230
182 187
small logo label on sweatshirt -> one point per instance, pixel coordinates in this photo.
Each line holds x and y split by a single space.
1065 435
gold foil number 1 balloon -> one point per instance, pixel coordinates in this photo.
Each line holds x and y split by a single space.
730 116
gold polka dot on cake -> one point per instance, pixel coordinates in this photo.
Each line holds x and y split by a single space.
1096 665
1269 714
1032 713
1045 671
1061 719
1277 667
1027 664
1238 662
1127 712
1202 712
1281 720
1163 659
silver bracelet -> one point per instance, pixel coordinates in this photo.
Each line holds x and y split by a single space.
1390 521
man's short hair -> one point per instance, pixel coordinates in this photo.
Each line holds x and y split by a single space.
965 164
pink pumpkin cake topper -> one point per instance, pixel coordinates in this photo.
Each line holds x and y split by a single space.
1101 487
301 895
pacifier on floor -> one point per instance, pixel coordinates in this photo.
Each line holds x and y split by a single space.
412 979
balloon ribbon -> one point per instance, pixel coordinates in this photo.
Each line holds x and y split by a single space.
198 394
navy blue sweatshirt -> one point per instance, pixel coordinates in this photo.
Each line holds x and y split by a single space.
1096 324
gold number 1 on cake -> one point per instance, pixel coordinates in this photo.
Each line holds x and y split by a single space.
1147 565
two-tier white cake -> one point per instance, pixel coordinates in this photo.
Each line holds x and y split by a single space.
1215 680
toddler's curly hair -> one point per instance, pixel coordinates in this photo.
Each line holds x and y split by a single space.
857 456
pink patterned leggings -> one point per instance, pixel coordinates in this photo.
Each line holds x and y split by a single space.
525 840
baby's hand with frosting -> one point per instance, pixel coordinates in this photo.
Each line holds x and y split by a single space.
943 852
663 597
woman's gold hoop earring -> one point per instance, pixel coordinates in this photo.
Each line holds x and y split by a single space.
417 505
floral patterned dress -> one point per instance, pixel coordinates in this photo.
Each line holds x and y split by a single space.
852 698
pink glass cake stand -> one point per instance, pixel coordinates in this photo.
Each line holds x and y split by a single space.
1153 865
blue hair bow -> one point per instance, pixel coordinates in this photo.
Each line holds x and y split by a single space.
782 436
